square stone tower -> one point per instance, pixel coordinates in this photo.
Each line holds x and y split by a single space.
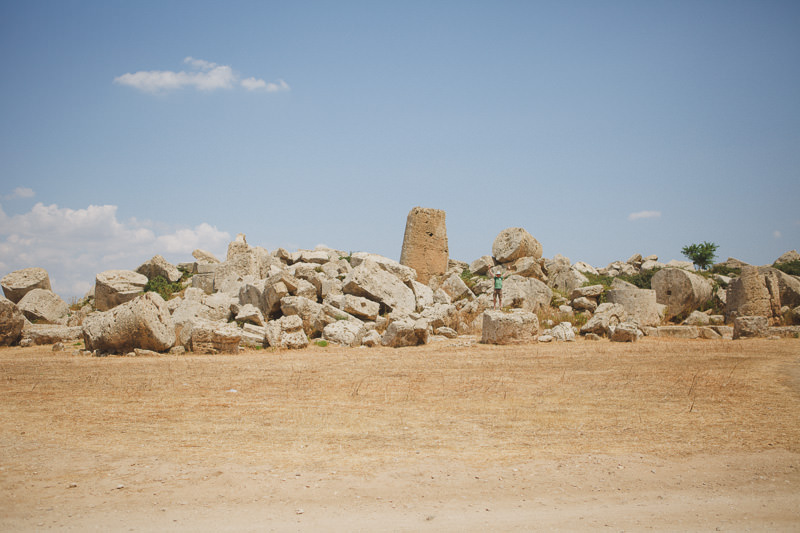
425 243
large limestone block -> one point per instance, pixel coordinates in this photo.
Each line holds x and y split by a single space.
215 337
317 257
678 332
626 332
425 243
203 256
509 328
582 303
652 264
402 272
456 289
311 313
20 282
750 326
143 322
252 293
306 289
584 268
253 335
697 318
635 259
563 277
562 332
273 294
441 315
203 279
528 267
787 332
344 333
750 295
591 291
528 294
187 313
266 262
158 266
680 290
788 286
482 265
241 262
43 306
314 316
11 322
369 280
51 333
371 339
640 305
513 243
606 316
357 306
406 332
423 294
286 332
250 314
220 306
686 265
115 287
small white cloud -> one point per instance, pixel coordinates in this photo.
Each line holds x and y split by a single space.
644 214
203 76
254 84
21 192
277 87
74 245
776 234
201 64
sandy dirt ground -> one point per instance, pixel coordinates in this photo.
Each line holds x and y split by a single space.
660 435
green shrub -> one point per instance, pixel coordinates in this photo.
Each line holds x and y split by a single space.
725 270
468 278
321 343
597 279
790 267
642 279
702 255
164 288
185 274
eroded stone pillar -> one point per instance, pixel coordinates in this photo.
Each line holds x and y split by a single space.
425 243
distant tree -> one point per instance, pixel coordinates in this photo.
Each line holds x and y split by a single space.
702 255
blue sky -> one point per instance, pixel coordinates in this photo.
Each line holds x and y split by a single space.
603 128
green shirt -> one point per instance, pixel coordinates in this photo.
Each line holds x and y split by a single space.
498 282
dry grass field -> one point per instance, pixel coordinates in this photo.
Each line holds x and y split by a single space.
76 429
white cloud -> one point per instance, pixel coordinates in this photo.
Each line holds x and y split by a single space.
204 76
73 245
644 214
776 234
21 192
254 84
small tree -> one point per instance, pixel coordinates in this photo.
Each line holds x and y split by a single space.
702 255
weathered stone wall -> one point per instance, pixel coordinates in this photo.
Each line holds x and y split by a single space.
425 243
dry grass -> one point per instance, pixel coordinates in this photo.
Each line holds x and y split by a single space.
354 408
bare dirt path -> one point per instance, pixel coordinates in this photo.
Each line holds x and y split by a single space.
660 435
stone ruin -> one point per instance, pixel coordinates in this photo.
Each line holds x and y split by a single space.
425 243
280 299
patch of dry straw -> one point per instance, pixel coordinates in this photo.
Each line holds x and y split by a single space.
355 408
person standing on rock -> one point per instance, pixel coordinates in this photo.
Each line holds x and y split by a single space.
498 289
